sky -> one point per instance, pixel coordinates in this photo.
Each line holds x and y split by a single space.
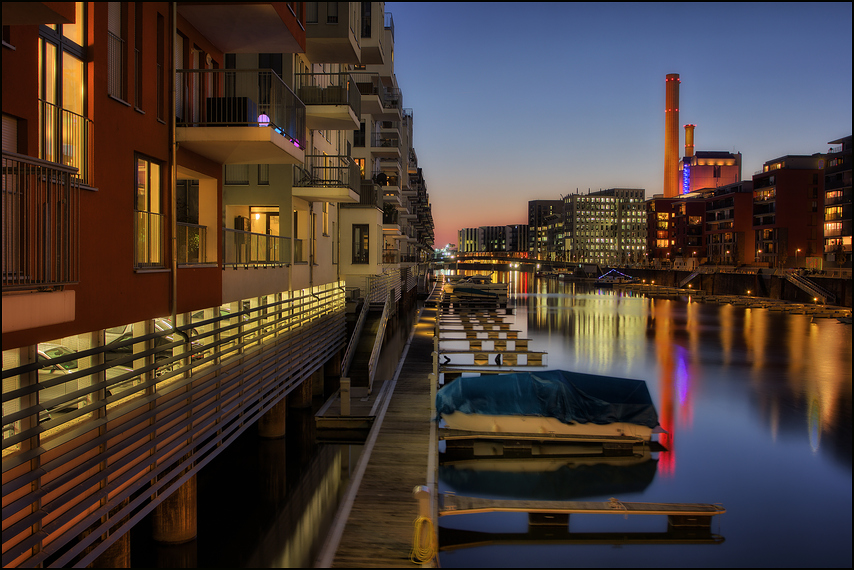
524 101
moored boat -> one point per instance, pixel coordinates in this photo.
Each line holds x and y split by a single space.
552 402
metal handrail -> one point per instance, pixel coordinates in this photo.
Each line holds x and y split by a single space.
350 353
378 343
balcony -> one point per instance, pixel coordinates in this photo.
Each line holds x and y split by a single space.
332 101
245 27
370 194
41 213
328 179
383 103
372 34
240 116
385 145
331 33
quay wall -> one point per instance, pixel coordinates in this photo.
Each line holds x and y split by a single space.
760 285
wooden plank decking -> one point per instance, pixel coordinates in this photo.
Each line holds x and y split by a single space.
380 525
459 505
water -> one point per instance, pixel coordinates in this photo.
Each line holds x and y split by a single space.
758 409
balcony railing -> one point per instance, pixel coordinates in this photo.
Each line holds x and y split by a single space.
240 97
192 243
385 140
41 215
328 172
247 248
371 194
329 89
149 230
369 83
67 138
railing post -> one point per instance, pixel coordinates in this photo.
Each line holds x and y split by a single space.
345 396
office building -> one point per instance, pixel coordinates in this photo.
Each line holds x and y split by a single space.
606 227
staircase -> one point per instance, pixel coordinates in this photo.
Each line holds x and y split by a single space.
826 297
699 270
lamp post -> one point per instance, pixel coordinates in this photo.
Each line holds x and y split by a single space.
797 255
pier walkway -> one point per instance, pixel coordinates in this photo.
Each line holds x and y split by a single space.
375 523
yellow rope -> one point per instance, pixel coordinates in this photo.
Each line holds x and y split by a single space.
423 552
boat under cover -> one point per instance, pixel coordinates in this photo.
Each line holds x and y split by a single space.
551 401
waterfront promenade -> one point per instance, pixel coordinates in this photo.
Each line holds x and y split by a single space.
374 526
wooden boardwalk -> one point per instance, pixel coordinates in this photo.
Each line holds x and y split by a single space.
379 528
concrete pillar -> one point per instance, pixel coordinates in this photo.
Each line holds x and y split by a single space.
174 520
301 395
317 382
272 424
332 374
272 462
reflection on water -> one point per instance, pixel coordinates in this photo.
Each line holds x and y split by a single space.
757 406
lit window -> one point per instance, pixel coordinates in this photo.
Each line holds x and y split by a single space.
148 219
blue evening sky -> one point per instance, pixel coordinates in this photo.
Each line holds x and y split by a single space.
523 101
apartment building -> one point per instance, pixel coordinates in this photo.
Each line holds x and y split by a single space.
607 227
787 212
183 209
728 232
837 203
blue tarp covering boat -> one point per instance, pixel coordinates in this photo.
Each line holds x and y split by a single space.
570 397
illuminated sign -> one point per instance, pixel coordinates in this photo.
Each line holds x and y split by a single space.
686 175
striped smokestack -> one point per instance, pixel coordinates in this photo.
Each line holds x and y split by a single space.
671 136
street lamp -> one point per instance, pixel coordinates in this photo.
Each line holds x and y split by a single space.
797 255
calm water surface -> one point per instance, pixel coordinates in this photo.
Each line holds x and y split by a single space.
758 409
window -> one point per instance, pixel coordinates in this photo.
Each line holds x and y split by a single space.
64 132
332 12
361 244
115 51
148 218
311 12
326 218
